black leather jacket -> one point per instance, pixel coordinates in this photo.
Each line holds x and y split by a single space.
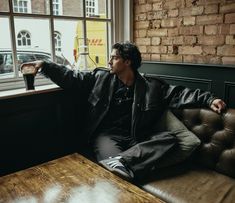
151 96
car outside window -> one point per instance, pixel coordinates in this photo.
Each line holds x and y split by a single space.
25 57
6 63
43 57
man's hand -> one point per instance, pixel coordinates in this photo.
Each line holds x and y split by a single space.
218 105
36 65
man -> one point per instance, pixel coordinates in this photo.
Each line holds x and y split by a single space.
124 108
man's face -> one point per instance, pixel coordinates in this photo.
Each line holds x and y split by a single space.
117 64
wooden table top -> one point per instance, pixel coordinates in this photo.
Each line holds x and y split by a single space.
70 179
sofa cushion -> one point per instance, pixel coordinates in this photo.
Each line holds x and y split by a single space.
217 134
193 186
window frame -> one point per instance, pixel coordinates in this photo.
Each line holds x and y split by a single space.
17 82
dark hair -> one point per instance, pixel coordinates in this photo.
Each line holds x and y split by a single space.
127 50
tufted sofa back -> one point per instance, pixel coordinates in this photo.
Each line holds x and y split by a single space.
217 133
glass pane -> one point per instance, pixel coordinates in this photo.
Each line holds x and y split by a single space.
97 41
68 8
31 43
6 60
66 40
4 6
96 8
31 6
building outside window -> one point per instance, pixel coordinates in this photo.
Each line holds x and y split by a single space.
31 32
91 7
22 6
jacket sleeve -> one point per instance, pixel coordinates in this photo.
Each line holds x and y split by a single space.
66 78
182 97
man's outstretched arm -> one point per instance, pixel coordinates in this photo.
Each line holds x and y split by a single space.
183 97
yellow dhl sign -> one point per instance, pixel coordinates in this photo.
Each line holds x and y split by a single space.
96 42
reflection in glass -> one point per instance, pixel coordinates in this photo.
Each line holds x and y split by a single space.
97 42
6 59
84 61
66 39
4 6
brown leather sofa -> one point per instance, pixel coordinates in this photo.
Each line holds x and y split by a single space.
209 176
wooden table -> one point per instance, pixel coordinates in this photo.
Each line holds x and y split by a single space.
70 179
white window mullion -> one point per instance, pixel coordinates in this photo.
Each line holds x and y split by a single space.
123 20
13 40
110 27
52 29
84 23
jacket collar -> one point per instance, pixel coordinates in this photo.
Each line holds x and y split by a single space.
113 81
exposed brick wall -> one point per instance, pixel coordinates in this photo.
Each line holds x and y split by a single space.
188 31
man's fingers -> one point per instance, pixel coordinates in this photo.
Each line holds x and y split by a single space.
218 105
215 108
221 106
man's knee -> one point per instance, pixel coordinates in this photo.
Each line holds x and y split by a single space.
187 140
104 147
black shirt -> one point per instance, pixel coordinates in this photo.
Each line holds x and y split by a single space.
118 119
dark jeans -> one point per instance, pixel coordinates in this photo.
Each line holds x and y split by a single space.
139 157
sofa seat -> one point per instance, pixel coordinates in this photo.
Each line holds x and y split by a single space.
197 185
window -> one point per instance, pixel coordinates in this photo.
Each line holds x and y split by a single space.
22 6
92 8
57 38
32 33
57 7
23 39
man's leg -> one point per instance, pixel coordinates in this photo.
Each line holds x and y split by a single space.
187 140
106 146
143 156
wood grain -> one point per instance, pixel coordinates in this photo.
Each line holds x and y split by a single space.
71 179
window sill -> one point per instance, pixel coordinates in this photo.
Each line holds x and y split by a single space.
22 92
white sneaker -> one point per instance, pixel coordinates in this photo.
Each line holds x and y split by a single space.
117 165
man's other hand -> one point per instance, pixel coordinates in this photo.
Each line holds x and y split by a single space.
218 105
